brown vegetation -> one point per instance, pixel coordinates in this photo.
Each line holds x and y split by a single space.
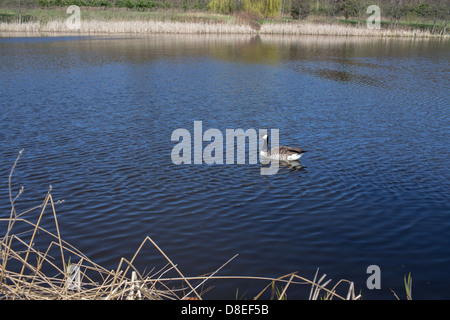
35 265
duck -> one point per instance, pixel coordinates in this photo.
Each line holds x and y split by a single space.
282 153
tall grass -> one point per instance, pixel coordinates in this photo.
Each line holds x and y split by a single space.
208 27
118 21
129 27
37 264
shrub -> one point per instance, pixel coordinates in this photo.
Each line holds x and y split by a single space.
125 4
300 9
350 8
79 3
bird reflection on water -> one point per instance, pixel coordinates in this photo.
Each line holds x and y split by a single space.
290 166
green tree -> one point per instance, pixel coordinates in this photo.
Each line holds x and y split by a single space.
396 10
266 8
223 6
350 8
300 9
18 7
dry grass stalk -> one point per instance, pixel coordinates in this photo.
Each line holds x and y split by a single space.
208 27
26 272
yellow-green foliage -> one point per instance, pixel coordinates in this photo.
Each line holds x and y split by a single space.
223 6
266 8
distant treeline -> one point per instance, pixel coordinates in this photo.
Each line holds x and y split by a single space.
390 9
130 4
393 10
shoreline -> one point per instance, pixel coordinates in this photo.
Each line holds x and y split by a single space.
141 27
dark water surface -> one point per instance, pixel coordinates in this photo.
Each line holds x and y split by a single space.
95 117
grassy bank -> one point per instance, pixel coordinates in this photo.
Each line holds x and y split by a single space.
123 21
37 264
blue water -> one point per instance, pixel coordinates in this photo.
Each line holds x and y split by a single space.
95 115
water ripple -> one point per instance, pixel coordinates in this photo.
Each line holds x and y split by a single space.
372 188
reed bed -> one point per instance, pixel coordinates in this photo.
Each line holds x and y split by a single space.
327 29
208 27
32 269
130 27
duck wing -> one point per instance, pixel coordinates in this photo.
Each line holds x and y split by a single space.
287 150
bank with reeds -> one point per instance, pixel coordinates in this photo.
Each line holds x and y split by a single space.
112 21
293 17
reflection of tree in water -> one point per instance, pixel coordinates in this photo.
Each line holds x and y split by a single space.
339 75
340 59
249 50
334 74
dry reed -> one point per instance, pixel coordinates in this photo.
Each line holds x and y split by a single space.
208 27
27 272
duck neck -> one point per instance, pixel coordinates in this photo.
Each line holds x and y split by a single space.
264 148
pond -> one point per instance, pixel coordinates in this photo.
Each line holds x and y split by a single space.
95 117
